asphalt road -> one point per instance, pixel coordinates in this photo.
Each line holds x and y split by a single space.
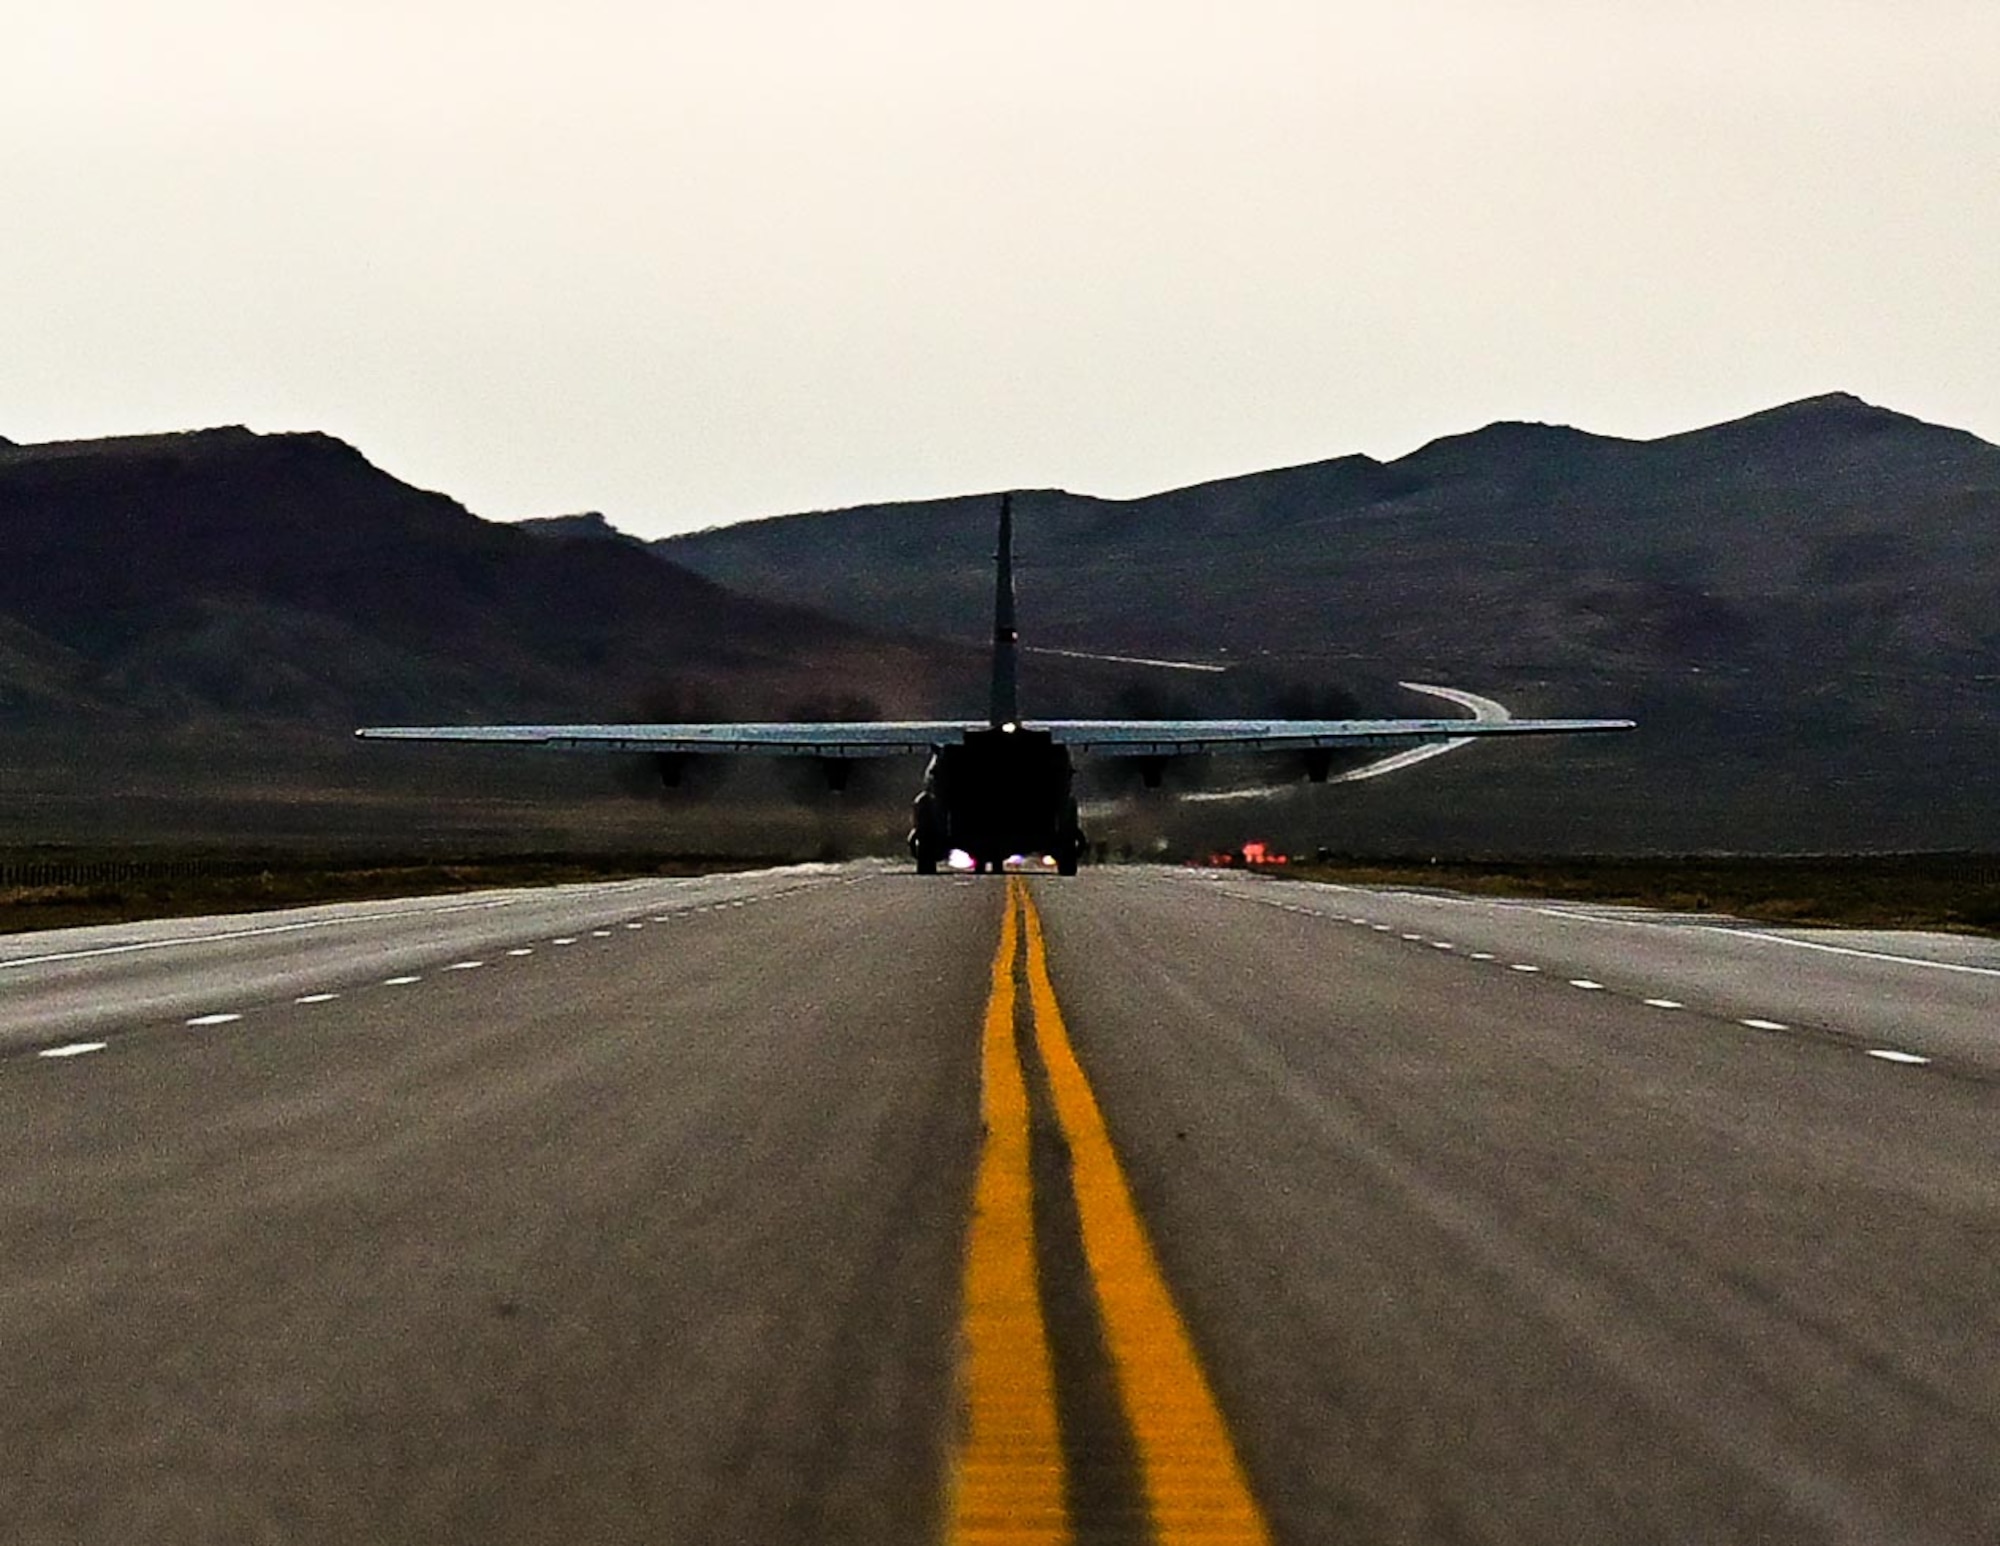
647 1212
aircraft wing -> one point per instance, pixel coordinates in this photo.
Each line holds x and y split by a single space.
891 738
1188 737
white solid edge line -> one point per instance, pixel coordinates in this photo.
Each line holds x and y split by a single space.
1759 935
235 934
75 1049
1848 950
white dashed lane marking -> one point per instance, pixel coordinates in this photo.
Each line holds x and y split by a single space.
1589 985
230 1017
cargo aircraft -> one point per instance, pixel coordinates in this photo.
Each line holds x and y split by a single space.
1002 786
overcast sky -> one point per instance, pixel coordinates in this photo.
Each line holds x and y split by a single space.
686 263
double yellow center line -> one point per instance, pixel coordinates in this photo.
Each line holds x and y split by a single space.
1008 1483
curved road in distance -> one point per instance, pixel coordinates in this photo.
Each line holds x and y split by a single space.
641 1212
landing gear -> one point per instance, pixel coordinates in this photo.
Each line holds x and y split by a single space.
1069 846
1004 790
927 842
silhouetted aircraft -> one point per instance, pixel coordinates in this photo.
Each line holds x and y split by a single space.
1004 786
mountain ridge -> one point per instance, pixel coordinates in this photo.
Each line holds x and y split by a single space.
1509 483
286 576
1798 607
1800 419
1794 600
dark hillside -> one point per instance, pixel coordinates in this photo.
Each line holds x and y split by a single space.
1803 607
283 577
1799 606
192 625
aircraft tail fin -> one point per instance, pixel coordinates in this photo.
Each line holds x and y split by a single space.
1004 708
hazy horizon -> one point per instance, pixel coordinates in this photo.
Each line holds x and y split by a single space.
687 268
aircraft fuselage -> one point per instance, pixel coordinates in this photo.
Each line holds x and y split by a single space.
1002 791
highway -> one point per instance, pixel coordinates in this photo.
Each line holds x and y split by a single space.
828 1204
